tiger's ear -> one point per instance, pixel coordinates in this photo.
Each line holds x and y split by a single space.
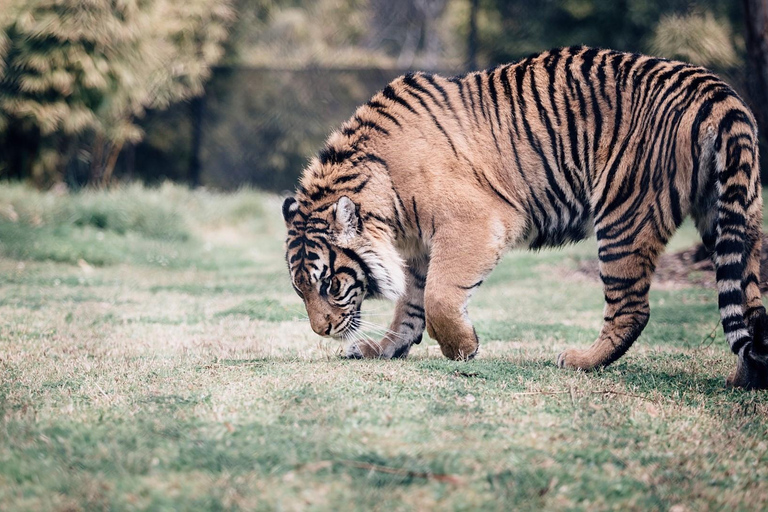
290 207
347 220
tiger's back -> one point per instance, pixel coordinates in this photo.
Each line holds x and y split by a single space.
452 171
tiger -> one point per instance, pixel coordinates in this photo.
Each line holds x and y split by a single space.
416 198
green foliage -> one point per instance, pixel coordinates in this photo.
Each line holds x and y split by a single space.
77 74
122 210
696 37
69 244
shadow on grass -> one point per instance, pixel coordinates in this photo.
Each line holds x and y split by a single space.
669 383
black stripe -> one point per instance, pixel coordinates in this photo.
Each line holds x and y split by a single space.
494 96
417 315
379 108
730 298
330 155
419 280
739 344
431 79
416 215
476 285
415 307
499 194
390 94
345 179
410 80
373 286
551 66
479 83
434 120
370 124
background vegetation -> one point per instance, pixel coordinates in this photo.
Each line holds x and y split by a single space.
231 92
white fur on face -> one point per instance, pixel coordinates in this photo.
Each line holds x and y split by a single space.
386 266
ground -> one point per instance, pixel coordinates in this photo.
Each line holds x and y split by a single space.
154 356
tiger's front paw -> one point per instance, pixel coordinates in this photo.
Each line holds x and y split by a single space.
372 349
353 352
360 350
384 349
576 359
461 352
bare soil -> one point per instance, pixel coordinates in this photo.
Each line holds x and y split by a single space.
691 266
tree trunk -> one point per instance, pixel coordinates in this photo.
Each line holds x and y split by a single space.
756 19
109 166
97 160
197 106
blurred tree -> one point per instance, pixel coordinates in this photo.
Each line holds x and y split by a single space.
300 33
697 37
76 74
405 28
261 126
348 34
510 30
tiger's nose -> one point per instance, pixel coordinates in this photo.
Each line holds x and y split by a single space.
323 328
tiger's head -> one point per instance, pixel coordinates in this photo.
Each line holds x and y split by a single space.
336 262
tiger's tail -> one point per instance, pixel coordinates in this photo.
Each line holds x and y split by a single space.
738 211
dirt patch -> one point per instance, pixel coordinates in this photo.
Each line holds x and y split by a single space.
689 267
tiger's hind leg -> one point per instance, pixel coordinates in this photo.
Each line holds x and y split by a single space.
732 230
627 263
408 323
752 365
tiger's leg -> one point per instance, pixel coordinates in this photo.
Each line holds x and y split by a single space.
752 365
408 323
460 259
627 264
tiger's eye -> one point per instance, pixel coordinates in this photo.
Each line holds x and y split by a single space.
335 285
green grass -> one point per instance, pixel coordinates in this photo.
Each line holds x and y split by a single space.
158 227
153 356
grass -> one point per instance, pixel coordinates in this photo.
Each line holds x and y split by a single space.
153 356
